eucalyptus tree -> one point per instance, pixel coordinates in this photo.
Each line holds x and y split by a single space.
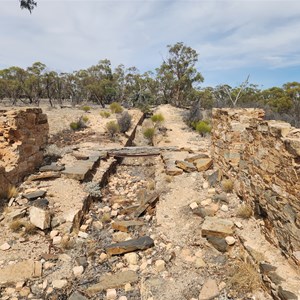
28 4
178 75
100 83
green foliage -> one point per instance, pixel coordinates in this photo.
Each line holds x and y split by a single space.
74 126
115 108
112 128
157 118
85 119
28 4
124 122
105 114
86 108
203 127
78 125
149 134
178 75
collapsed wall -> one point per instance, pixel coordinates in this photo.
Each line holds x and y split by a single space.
263 159
23 136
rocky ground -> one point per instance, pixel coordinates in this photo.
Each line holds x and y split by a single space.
93 226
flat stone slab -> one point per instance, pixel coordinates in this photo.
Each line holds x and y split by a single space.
20 271
209 290
112 281
77 296
203 164
193 158
126 225
34 195
217 227
142 243
52 167
77 172
185 166
171 169
44 176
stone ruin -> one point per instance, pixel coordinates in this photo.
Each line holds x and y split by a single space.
263 159
23 137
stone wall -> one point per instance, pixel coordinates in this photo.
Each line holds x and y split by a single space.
23 136
263 159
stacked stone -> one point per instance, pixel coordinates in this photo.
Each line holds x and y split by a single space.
23 136
263 158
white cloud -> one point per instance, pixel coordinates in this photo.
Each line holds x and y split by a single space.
228 35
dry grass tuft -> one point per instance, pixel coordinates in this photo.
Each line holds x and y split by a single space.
244 211
168 178
105 218
16 225
244 278
30 228
151 185
67 243
227 185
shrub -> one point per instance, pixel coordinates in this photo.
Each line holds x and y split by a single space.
85 119
86 108
243 277
105 114
16 225
149 134
124 122
116 108
157 118
244 211
227 185
80 124
203 127
112 128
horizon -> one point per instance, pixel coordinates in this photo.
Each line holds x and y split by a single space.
234 39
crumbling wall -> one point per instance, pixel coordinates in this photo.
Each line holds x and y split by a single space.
263 158
23 136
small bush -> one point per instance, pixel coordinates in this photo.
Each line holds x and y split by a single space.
157 118
244 211
124 122
106 218
86 108
149 134
227 185
80 124
115 108
105 114
203 127
112 128
85 119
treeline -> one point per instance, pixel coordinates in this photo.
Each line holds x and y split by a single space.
175 81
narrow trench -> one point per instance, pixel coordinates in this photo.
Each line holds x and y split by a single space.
129 183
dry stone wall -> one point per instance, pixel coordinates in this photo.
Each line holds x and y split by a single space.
263 159
23 136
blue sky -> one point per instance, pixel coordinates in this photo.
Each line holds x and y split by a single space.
233 38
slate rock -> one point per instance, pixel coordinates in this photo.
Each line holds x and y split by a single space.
219 243
41 203
203 164
286 295
209 290
142 243
112 281
126 225
34 195
185 166
52 167
77 296
213 226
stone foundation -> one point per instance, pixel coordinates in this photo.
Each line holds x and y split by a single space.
263 159
23 136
